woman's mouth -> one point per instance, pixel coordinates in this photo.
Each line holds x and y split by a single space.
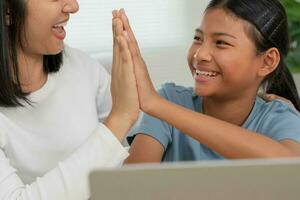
59 31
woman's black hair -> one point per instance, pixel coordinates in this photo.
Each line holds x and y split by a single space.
269 28
12 19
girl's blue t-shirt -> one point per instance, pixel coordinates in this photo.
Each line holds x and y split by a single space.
275 119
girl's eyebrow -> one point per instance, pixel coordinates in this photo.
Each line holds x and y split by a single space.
223 34
198 30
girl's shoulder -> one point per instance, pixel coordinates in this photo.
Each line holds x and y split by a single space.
272 115
275 119
276 106
173 89
178 94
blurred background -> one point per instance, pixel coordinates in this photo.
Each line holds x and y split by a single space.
293 12
164 30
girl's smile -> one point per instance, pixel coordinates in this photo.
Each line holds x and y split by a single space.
222 57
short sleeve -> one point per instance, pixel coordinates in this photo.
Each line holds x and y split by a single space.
282 122
153 127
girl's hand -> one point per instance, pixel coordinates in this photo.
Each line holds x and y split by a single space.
125 102
146 90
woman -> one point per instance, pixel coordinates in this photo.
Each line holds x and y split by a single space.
53 99
239 47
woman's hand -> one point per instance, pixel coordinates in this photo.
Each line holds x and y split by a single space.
125 102
147 94
271 97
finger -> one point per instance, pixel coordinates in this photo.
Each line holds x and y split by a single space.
135 52
267 97
271 97
119 14
127 25
118 26
129 35
127 28
116 49
126 68
115 43
115 13
124 51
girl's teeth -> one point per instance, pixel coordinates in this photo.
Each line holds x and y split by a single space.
204 73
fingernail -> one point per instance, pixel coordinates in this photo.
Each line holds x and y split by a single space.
122 10
268 96
115 13
123 14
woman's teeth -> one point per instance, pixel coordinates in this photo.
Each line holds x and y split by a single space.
60 25
205 73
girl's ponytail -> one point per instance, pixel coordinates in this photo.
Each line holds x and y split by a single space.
281 82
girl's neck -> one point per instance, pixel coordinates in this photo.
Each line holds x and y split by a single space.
235 111
31 72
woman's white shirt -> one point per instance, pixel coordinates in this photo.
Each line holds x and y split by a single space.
47 149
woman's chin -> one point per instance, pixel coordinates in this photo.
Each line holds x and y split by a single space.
56 50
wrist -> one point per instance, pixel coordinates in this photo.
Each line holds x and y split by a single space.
150 105
119 124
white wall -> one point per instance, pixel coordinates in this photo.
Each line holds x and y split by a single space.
164 37
164 52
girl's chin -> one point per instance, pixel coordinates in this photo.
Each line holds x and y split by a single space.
200 91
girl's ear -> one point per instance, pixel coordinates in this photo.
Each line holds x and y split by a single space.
271 59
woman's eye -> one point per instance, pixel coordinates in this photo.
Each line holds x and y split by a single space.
197 39
221 42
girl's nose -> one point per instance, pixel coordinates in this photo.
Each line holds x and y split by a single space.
203 54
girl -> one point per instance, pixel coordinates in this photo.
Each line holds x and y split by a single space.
239 47
52 101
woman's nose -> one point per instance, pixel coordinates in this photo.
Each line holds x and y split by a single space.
71 6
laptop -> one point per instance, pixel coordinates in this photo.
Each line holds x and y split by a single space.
210 180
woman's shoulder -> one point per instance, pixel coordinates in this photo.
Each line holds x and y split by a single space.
71 54
6 125
76 61
77 58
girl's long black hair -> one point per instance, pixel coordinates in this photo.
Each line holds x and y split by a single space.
12 19
269 29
